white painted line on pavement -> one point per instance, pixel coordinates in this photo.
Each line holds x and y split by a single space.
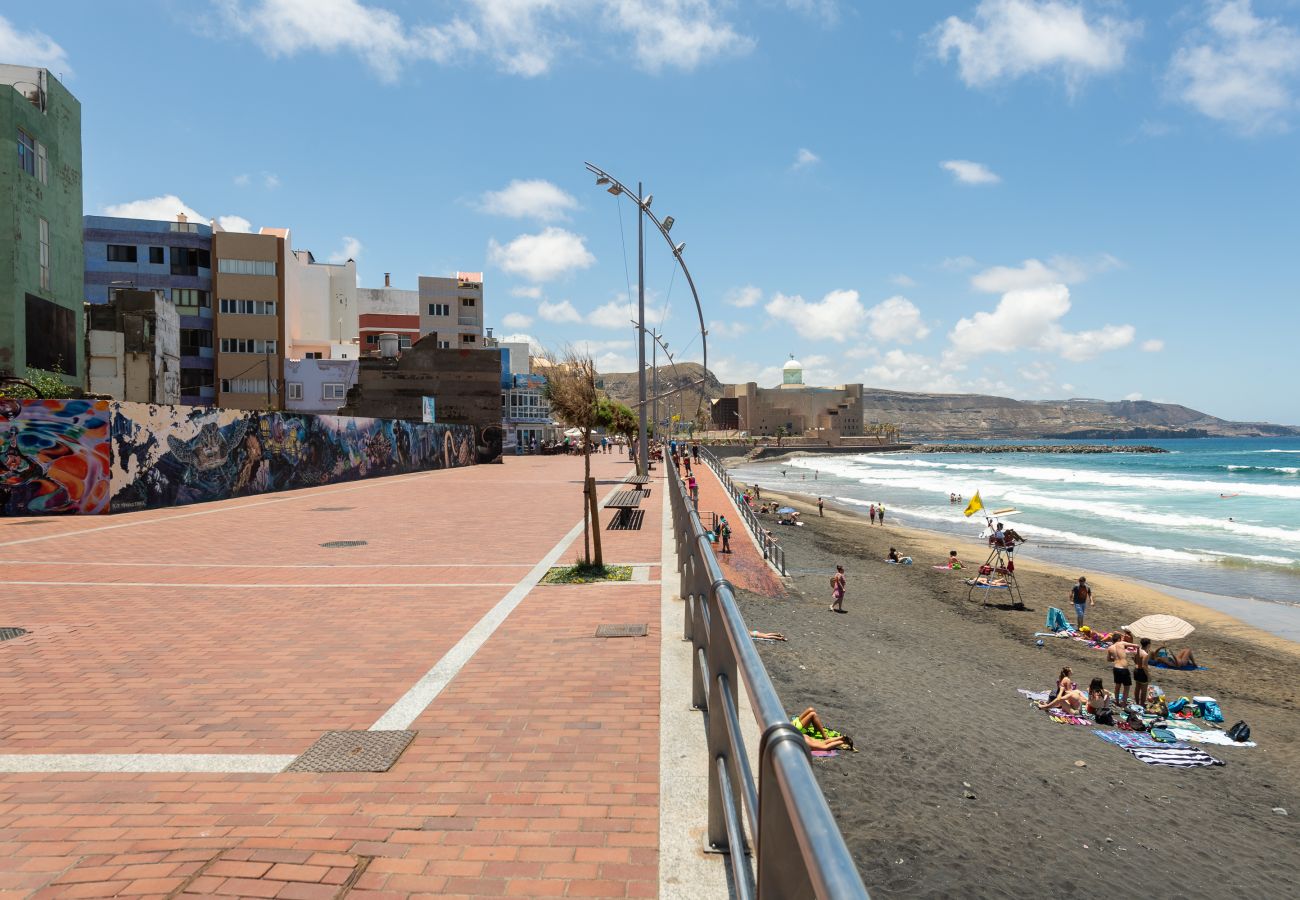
144 762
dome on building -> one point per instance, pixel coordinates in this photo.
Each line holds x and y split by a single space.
792 372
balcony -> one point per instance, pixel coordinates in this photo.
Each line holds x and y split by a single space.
467 320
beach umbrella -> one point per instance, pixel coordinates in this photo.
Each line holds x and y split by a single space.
785 510
1161 628
573 432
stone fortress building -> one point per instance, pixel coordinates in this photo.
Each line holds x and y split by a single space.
792 408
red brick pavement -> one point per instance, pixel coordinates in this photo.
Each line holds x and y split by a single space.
534 773
744 566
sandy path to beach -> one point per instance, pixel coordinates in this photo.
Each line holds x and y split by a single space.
926 681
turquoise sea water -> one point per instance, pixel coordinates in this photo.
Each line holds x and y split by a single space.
1216 515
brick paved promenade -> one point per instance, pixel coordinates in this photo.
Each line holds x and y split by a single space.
223 636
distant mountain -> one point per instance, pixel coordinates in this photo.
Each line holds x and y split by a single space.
623 386
973 416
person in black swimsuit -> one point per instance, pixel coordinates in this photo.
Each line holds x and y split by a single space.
1142 672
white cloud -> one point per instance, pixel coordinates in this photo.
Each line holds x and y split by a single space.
967 172
837 316
1133 396
242 180
533 198
1154 345
535 347
1028 318
1034 273
595 347
523 37
542 257
31 48
826 11
614 362
896 319
621 313
727 329
270 180
903 280
1008 39
805 158
234 223
744 297
516 320
531 291
1242 70
163 209
351 249
730 370
561 312
958 263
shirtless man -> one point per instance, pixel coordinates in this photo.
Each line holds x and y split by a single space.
1117 655
1142 672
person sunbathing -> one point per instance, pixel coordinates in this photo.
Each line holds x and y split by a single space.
1066 695
1165 657
1101 703
767 635
816 735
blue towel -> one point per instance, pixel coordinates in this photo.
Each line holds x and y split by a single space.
1056 620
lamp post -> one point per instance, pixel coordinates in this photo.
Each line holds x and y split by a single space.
643 201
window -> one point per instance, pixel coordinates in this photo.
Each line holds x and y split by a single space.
194 380
246 385
42 164
156 256
466 301
245 267
468 338
334 390
26 152
295 390
372 339
313 355
189 297
444 345
188 260
51 336
192 339
121 253
248 307
403 342
45 254
186 227
439 309
247 345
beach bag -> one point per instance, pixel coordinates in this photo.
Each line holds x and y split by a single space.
1177 705
1105 717
1239 732
986 570
1162 734
1056 620
1209 710
1135 722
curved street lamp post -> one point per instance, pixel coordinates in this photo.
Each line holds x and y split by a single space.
643 201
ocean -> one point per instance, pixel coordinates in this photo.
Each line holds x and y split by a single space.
1218 516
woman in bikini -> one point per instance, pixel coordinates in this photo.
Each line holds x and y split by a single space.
1101 702
1066 696
816 735
838 586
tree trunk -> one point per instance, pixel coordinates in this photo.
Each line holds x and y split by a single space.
593 507
586 505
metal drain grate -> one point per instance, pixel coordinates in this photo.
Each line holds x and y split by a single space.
353 751
331 508
612 631
7 633
344 544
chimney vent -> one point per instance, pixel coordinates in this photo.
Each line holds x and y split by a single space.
388 281
181 217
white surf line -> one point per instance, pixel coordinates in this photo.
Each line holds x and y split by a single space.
220 763
275 585
411 705
214 508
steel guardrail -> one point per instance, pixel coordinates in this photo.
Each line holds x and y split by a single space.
772 551
799 850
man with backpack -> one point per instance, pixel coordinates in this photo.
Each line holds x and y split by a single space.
1081 595
724 532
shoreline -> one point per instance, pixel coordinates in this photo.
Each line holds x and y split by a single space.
1258 621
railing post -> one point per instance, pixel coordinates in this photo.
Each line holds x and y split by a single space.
722 670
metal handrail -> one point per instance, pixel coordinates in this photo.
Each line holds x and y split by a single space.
799 850
772 551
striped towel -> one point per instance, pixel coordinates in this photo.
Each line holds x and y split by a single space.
1130 740
1178 757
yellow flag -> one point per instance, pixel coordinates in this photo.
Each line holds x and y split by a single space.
974 506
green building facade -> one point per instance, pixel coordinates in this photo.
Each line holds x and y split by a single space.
41 261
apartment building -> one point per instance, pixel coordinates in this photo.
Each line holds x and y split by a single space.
248 291
41 267
133 347
171 258
321 315
452 308
388 310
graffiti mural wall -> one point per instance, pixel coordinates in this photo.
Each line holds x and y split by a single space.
54 456
76 456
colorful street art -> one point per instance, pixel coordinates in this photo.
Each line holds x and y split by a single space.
75 456
54 456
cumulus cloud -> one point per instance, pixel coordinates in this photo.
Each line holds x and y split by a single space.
234 223
621 313
1240 69
243 180
1034 273
896 319
522 37
1029 318
516 320
535 347
542 257
270 180
1154 345
531 291
744 297
165 209
727 329
1008 39
561 312
31 48
533 198
351 249
837 316
967 172
804 159
903 280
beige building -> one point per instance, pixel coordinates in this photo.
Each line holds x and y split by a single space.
133 348
248 291
792 408
452 308
320 307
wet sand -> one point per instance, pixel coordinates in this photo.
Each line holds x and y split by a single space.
925 680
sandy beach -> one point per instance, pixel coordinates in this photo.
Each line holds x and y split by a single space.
962 788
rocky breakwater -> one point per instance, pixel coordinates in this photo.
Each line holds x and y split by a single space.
1036 448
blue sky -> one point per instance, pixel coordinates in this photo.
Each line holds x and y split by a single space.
1038 198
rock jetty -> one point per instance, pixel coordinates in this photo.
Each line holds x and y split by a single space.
1036 448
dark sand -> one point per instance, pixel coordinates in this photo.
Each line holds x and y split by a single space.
925 681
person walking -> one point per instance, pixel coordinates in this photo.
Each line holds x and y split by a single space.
839 584
821 507
758 492
693 487
873 514
1081 596
724 532
880 513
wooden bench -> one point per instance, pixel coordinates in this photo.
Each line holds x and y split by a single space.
640 482
625 502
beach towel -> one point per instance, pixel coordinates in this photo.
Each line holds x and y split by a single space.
1056 620
1036 696
1207 737
1159 663
825 754
1131 739
1177 757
